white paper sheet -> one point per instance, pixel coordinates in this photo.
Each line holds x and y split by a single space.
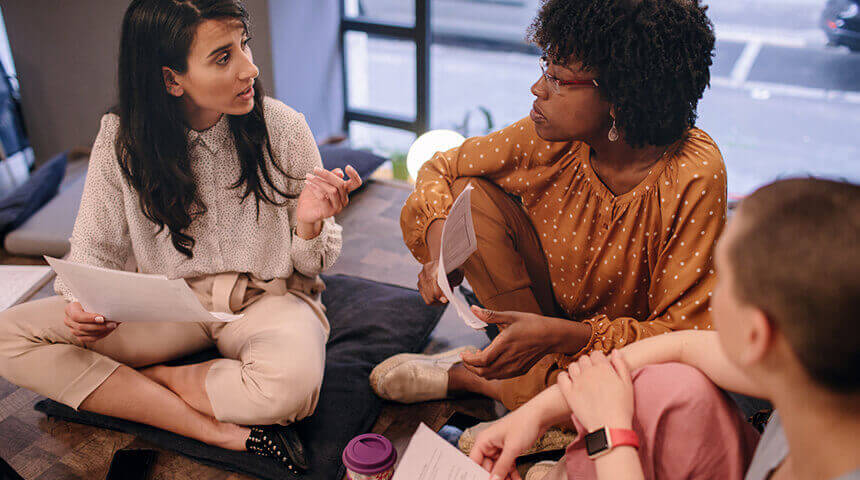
458 243
430 457
458 232
19 283
133 297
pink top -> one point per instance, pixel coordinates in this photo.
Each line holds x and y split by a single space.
688 429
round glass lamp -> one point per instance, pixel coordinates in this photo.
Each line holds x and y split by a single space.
429 143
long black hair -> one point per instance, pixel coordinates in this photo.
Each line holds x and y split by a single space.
151 146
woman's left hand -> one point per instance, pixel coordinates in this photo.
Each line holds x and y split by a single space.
326 194
599 391
525 339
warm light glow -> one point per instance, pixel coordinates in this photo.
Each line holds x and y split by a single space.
428 144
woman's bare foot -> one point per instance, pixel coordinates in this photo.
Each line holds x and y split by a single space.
461 380
234 436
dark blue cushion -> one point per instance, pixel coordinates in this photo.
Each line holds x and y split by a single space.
27 199
364 162
370 321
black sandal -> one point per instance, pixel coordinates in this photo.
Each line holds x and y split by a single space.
278 442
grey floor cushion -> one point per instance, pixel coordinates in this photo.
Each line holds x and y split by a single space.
47 232
370 321
19 205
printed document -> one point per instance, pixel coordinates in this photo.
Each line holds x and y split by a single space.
458 243
133 297
19 283
430 457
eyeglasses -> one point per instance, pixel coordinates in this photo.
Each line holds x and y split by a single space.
555 84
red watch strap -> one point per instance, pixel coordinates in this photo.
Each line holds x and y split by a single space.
623 437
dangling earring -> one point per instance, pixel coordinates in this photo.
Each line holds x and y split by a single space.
613 132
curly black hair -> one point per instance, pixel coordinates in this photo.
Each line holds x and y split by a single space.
652 58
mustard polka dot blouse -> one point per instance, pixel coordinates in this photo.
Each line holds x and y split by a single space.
632 265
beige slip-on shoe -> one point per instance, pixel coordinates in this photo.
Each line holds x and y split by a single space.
540 470
554 439
414 377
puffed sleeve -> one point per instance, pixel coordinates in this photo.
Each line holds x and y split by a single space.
509 157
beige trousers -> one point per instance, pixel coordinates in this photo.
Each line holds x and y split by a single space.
274 356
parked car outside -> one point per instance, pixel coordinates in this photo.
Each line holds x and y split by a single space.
841 22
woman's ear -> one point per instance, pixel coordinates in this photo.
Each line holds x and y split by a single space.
760 338
171 83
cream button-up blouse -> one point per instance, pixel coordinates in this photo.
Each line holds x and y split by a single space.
110 227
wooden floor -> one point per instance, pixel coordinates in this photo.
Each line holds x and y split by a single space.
41 448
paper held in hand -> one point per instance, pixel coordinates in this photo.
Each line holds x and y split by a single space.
458 243
430 457
133 297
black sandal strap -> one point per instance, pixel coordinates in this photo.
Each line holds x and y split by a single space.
292 445
279 443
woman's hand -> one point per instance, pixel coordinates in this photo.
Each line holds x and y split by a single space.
524 339
326 194
428 287
496 448
599 391
87 327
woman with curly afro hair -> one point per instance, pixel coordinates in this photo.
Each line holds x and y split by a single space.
596 215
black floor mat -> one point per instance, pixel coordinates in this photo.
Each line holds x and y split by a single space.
370 321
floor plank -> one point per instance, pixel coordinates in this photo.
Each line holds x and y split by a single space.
33 461
16 436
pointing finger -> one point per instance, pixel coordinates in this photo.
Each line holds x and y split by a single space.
354 178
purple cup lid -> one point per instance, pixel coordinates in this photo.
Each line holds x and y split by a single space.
368 454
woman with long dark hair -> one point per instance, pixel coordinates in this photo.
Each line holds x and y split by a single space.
197 176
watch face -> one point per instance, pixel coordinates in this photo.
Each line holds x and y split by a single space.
595 442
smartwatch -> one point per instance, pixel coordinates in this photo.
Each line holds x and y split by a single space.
603 440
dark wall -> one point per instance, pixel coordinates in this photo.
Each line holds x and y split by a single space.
65 53
305 42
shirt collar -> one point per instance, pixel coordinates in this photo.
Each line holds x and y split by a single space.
212 138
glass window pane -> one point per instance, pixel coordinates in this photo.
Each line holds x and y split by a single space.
782 102
467 82
495 20
399 12
384 141
380 74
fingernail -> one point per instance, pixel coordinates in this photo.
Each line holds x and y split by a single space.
100 319
310 176
111 325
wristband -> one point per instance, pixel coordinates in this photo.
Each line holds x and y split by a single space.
603 440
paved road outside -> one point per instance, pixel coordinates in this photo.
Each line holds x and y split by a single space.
781 102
